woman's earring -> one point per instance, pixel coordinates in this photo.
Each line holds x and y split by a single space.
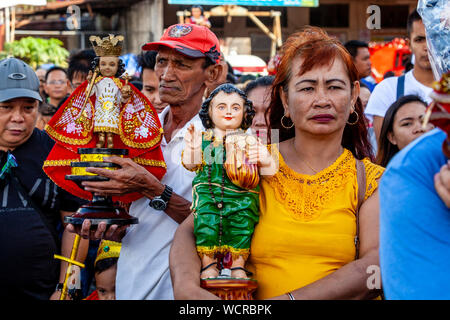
357 118
283 125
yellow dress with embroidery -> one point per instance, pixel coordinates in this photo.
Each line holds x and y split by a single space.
307 224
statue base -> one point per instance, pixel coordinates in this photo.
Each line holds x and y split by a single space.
101 208
230 288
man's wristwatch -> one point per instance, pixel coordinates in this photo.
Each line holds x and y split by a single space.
160 202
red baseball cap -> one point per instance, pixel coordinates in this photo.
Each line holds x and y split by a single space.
191 40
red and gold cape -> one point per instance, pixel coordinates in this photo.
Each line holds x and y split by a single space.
72 127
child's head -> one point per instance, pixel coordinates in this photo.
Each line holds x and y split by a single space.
105 268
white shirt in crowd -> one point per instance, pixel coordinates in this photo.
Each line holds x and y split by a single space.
385 94
143 266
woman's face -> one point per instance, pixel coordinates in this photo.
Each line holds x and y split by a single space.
407 124
364 95
108 66
227 111
320 101
260 97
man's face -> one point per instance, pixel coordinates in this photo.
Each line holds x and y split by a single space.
150 89
41 76
418 43
57 85
78 78
362 62
17 121
180 78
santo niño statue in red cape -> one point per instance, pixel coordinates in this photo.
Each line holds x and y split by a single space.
104 112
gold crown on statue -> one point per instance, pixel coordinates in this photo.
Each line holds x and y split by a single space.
108 249
108 46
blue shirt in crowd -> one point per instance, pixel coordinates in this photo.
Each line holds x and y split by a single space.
369 84
415 223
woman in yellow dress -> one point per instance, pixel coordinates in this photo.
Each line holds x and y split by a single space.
304 244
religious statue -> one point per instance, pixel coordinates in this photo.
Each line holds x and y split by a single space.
228 163
436 18
198 17
104 116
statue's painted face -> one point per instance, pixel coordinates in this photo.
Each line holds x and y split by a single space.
109 65
227 111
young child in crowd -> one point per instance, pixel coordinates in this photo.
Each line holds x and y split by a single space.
105 268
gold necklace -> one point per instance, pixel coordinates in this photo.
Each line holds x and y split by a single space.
309 166
314 170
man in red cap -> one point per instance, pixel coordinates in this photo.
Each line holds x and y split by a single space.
187 62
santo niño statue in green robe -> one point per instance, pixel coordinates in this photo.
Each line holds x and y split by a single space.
225 192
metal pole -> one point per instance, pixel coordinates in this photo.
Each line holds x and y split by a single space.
82 36
13 23
261 26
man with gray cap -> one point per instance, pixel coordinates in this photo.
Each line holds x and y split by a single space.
186 63
31 204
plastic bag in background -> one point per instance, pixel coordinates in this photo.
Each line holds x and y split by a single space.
436 18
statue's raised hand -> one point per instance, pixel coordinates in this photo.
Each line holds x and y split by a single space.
193 138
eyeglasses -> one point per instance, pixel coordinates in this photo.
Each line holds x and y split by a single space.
57 82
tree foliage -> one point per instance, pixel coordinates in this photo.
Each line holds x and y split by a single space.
37 51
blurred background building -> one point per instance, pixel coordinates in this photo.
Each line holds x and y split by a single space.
141 21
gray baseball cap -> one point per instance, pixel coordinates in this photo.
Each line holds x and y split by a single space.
17 80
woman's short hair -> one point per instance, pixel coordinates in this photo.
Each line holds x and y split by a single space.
317 48
249 112
387 150
265 81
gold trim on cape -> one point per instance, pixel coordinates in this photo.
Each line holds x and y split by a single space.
65 139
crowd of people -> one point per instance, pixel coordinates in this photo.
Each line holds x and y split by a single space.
330 212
